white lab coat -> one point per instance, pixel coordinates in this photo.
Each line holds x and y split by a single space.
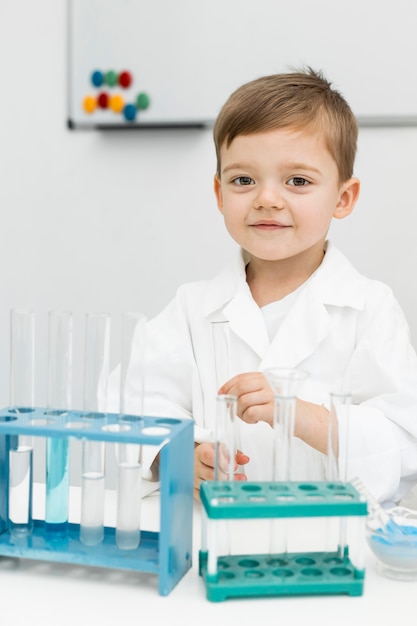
344 329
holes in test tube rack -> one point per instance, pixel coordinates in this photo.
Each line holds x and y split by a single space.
221 487
251 488
8 418
338 486
333 560
305 560
20 410
307 487
117 428
57 412
311 571
226 575
340 571
76 425
277 487
282 573
94 415
222 500
168 422
256 499
248 563
343 496
41 422
276 562
253 574
156 431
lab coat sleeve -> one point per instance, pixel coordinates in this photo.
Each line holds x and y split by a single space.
381 438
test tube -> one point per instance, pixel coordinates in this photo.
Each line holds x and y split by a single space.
285 383
129 461
96 369
22 360
337 449
222 361
60 325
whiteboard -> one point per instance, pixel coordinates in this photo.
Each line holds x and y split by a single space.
187 56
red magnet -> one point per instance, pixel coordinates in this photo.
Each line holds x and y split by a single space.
103 100
125 79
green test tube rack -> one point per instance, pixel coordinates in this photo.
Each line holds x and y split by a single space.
166 553
288 573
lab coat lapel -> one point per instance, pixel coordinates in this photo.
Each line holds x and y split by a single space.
302 330
246 321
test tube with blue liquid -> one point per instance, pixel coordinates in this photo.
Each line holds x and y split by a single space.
96 369
129 455
22 355
60 332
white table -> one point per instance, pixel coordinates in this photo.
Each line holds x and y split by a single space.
43 593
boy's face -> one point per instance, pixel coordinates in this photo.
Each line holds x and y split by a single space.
278 191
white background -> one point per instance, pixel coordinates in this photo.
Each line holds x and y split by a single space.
96 221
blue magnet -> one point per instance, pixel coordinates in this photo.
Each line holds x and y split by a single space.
129 112
97 78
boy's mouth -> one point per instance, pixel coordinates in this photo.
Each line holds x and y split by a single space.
268 225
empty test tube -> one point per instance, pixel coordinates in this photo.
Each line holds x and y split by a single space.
285 383
225 447
222 360
129 461
337 448
22 355
96 369
59 402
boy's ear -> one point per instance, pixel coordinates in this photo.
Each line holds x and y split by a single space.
218 193
348 196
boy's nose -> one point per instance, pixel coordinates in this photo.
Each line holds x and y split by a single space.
269 197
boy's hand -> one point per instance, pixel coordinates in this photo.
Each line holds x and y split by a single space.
204 465
255 399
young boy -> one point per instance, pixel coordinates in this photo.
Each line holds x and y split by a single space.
285 149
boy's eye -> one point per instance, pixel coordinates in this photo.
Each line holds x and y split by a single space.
244 180
298 181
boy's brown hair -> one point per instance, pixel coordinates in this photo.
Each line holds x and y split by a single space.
303 100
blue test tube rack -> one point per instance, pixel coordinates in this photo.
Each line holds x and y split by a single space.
167 553
292 573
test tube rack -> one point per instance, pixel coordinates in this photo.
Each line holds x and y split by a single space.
167 553
296 573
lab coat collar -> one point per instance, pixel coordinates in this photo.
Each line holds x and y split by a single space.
335 282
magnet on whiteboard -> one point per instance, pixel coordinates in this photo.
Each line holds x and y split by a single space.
89 104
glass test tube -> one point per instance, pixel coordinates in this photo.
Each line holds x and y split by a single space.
129 461
337 448
284 383
22 360
60 325
96 370
219 531
222 361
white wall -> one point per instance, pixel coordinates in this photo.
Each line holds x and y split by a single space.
116 221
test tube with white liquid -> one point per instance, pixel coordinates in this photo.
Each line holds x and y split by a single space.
285 383
22 360
96 369
60 329
128 455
